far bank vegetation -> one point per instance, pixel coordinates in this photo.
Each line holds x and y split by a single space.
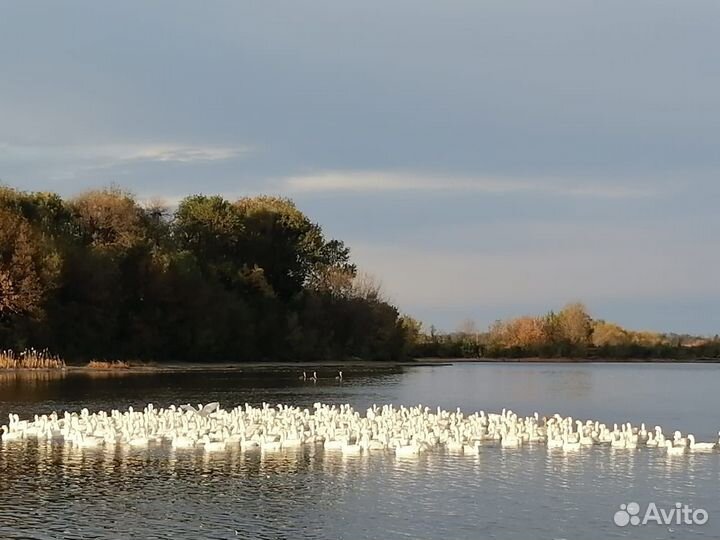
568 333
107 364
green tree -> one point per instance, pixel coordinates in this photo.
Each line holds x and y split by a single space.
101 275
289 247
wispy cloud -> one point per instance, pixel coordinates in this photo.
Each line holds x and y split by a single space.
114 153
174 153
389 181
62 160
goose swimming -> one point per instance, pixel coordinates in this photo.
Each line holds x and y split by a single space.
405 431
699 446
674 450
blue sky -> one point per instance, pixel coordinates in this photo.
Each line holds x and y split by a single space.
483 159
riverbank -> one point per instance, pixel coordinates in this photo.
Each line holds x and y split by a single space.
333 366
540 360
239 367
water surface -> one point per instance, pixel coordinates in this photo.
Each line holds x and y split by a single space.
55 491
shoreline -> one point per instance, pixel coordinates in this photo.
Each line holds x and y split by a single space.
180 367
184 367
540 360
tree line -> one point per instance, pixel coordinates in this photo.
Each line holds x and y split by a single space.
103 276
568 333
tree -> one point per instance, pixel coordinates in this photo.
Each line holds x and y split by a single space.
210 227
101 275
412 328
525 332
468 328
337 282
575 324
28 269
608 334
367 287
282 240
109 219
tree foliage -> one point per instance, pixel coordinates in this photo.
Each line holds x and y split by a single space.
27 272
571 332
101 275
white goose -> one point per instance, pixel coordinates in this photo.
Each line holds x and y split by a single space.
674 450
408 450
510 439
679 440
352 449
699 446
182 441
406 431
570 445
10 435
271 444
651 440
212 446
83 441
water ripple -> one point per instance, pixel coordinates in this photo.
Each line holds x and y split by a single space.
52 492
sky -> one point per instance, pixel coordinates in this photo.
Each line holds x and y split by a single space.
482 159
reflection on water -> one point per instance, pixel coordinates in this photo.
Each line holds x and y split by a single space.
65 492
57 491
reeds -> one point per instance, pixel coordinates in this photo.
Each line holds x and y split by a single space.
30 359
106 364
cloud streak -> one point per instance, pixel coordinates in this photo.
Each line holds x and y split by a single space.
390 181
83 157
122 153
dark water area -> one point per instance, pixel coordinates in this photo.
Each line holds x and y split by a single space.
51 491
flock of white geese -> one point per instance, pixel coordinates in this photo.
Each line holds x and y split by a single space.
406 431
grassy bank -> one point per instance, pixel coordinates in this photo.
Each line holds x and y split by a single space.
30 359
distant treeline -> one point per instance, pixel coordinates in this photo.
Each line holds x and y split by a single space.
103 276
569 333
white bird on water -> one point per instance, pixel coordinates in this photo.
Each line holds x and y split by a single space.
406 431
674 450
699 446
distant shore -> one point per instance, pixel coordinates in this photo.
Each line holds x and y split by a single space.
324 366
540 360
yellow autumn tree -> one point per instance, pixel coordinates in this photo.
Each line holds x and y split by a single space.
609 334
575 324
27 268
522 332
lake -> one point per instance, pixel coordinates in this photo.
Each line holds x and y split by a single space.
53 491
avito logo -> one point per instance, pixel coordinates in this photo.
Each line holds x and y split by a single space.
680 514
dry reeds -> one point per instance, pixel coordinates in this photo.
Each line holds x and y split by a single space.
30 359
106 364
